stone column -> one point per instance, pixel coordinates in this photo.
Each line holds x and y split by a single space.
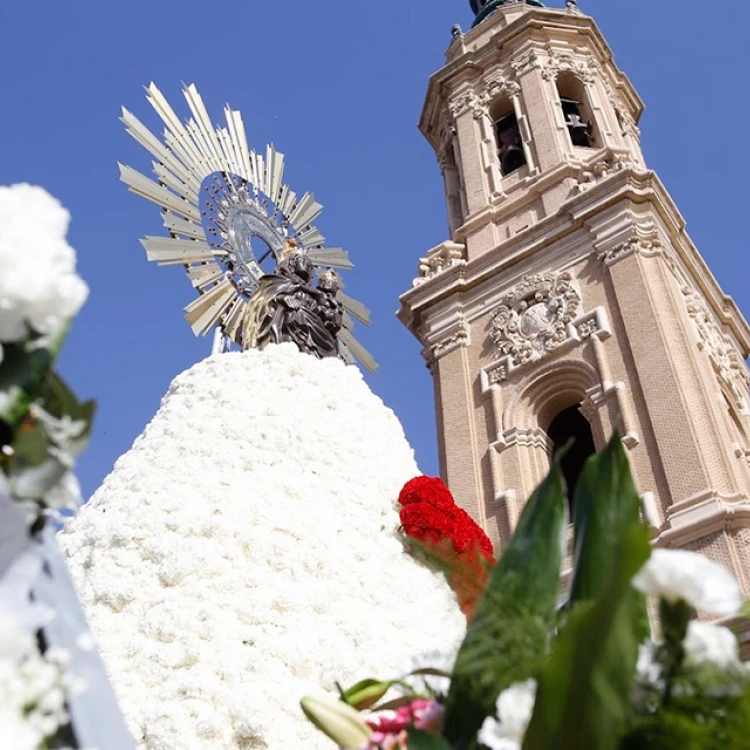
666 372
459 459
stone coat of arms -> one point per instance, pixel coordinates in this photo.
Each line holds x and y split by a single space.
532 318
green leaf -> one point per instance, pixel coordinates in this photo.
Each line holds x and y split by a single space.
584 691
366 693
419 740
606 508
507 638
30 448
23 370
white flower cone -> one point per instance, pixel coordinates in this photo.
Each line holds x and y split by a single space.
243 554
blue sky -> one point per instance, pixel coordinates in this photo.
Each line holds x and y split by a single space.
338 86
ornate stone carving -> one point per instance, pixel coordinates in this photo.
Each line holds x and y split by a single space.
499 85
587 328
466 102
470 101
611 164
445 154
627 123
498 374
460 337
585 69
728 364
533 317
438 259
527 62
648 245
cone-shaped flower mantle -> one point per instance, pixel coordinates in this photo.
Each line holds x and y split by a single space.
244 553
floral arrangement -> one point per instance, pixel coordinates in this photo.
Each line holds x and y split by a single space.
43 428
537 671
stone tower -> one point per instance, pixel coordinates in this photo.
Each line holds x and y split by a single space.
569 300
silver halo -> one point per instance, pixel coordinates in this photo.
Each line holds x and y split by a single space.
261 206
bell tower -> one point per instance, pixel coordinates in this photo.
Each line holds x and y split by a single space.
568 299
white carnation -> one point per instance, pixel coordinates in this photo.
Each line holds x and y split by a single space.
706 643
244 554
682 575
39 287
514 707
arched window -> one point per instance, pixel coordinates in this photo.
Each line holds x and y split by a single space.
508 134
568 425
577 113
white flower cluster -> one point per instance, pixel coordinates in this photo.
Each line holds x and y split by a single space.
514 708
33 687
675 574
39 287
681 575
244 554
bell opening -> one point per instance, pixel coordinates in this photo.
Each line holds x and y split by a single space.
510 145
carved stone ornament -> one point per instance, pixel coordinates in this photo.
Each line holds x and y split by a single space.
461 337
586 69
533 317
611 164
466 102
439 259
499 85
627 123
445 154
647 246
527 62
728 364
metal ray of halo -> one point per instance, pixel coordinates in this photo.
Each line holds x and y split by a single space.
246 183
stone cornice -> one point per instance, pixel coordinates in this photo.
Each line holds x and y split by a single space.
637 188
702 515
532 187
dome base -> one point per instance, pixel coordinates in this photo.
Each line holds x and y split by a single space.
493 5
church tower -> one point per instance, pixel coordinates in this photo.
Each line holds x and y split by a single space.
568 300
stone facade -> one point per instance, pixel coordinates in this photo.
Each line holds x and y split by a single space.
572 281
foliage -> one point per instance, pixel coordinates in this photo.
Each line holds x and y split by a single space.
535 673
584 688
506 640
43 426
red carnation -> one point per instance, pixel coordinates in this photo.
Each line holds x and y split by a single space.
430 516
430 490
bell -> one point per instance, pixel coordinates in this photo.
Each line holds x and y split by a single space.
511 159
